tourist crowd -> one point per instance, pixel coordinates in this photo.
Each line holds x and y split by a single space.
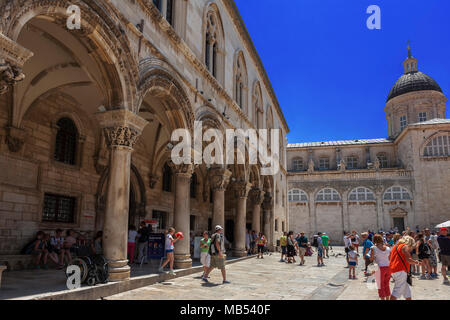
386 255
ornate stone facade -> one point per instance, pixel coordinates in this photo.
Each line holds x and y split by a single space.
377 183
90 117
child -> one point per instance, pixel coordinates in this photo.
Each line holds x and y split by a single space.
205 257
352 262
39 250
169 251
57 243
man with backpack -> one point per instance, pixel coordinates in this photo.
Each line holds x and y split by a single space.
217 251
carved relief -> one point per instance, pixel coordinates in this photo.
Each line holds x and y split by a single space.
241 189
9 75
219 178
257 196
122 136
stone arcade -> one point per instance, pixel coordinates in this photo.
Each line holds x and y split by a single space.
86 118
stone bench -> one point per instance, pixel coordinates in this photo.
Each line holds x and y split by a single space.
16 262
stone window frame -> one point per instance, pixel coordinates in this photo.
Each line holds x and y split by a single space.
321 196
422 117
384 162
81 138
322 162
361 194
79 198
240 87
302 195
437 146
213 26
391 192
353 162
296 167
403 122
257 105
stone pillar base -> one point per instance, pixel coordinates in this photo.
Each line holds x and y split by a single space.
118 270
182 261
239 253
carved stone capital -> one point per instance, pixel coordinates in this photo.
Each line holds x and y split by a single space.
256 196
219 178
15 138
241 189
12 58
121 127
182 170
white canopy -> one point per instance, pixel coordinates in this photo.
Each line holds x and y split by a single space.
444 224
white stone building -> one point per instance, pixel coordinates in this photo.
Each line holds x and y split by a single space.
400 181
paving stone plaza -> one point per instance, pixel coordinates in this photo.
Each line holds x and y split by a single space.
270 279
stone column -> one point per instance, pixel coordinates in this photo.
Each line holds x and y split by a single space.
267 211
182 211
219 179
241 192
121 129
380 213
257 197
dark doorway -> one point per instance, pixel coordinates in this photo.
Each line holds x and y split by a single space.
400 224
229 230
249 226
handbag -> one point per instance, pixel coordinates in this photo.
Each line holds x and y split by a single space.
409 276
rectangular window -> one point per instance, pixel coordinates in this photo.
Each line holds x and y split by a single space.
276 224
352 163
297 164
169 13
403 122
59 208
160 216
422 116
324 164
282 226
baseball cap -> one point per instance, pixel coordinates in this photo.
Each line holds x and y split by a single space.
219 227
443 229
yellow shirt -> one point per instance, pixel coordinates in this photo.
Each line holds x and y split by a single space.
283 241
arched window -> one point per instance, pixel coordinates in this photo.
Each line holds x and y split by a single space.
193 186
397 193
167 179
297 164
361 194
328 194
297 195
382 158
166 7
352 162
66 141
438 146
257 105
213 43
240 82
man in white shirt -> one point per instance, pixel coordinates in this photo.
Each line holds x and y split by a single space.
347 244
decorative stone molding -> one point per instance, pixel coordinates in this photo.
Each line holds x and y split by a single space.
183 170
256 196
153 180
241 189
121 127
219 178
15 138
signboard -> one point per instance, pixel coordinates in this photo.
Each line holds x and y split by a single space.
156 245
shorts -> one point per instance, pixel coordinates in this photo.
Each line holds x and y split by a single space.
169 250
352 263
205 259
424 256
283 249
320 252
217 262
301 251
260 249
445 259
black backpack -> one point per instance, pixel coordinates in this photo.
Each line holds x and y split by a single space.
144 232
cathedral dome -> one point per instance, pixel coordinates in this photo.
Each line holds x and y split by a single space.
411 82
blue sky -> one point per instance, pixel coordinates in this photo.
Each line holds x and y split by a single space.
331 74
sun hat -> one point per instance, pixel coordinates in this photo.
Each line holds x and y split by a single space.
218 227
443 229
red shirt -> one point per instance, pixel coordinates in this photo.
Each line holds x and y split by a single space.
395 263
